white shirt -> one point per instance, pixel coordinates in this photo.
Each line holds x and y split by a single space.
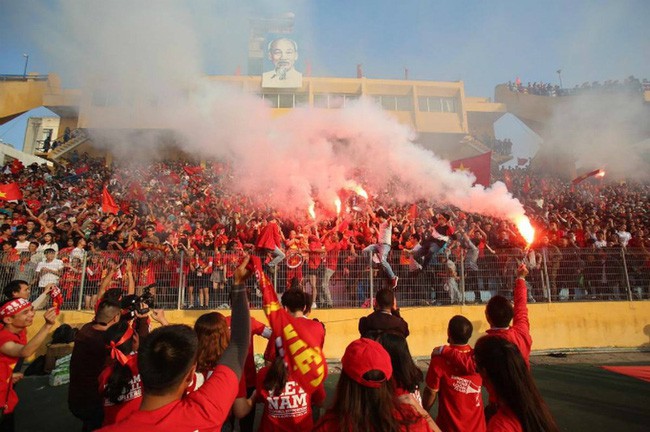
48 278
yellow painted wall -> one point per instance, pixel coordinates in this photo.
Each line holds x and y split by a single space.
553 326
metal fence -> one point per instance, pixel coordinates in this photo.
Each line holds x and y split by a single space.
203 279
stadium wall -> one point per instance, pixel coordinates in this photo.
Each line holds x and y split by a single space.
561 326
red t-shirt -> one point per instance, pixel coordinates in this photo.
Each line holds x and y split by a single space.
288 411
504 421
7 364
460 405
128 403
204 410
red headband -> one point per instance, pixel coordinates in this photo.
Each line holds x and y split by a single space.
14 306
116 354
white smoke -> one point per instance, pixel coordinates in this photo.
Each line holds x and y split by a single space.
148 59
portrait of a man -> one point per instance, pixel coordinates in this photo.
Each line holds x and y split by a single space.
283 52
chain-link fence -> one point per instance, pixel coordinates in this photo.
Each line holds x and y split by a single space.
455 275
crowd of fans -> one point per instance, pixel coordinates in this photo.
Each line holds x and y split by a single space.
628 85
125 378
58 234
499 146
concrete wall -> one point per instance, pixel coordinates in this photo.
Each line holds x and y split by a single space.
562 326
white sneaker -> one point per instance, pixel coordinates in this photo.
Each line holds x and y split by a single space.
314 305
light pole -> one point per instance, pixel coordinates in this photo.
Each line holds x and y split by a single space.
26 61
559 74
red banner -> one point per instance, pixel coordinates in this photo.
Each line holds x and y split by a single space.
477 165
302 353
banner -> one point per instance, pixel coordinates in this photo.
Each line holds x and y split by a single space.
302 353
282 53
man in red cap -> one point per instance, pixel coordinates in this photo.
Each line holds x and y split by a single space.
16 315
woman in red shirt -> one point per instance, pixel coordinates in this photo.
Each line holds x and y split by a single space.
520 406
119 382
365 399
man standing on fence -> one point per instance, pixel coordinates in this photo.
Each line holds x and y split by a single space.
270 241
382 247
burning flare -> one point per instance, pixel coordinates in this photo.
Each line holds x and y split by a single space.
312 212
356 188
337 203
526 230
601 173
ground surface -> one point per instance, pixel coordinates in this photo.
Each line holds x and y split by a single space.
581 395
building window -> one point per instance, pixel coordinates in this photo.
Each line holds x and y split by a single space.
285 100
437 104
395 103
334 100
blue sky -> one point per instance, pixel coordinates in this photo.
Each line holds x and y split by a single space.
482 43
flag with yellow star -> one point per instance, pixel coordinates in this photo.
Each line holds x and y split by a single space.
10 192
477 165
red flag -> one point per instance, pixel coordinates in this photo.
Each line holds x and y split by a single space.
359 71
193 170
302 353
57 299
477 165
10 192
585 176
522 161
108 203
507 179
308 69
413 212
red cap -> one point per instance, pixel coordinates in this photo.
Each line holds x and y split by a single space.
364 355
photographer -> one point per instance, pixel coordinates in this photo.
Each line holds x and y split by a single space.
167 364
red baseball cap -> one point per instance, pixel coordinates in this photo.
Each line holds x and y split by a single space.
364 355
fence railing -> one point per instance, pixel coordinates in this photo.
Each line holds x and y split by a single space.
204 279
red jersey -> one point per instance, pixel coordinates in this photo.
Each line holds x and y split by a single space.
332 257
129 402
288 411
7 364
460 405
205 409
269 237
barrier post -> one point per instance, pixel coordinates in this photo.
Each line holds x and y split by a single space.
545 277
83 281
462 278
627 276
181 284
371 278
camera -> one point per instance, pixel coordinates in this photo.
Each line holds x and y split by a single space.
141 304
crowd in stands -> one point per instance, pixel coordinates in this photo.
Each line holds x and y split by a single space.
628 85
173 207
499 146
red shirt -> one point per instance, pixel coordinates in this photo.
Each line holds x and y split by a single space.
128 403
205 409
504 421
460 405
290 410
7 364
269 237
